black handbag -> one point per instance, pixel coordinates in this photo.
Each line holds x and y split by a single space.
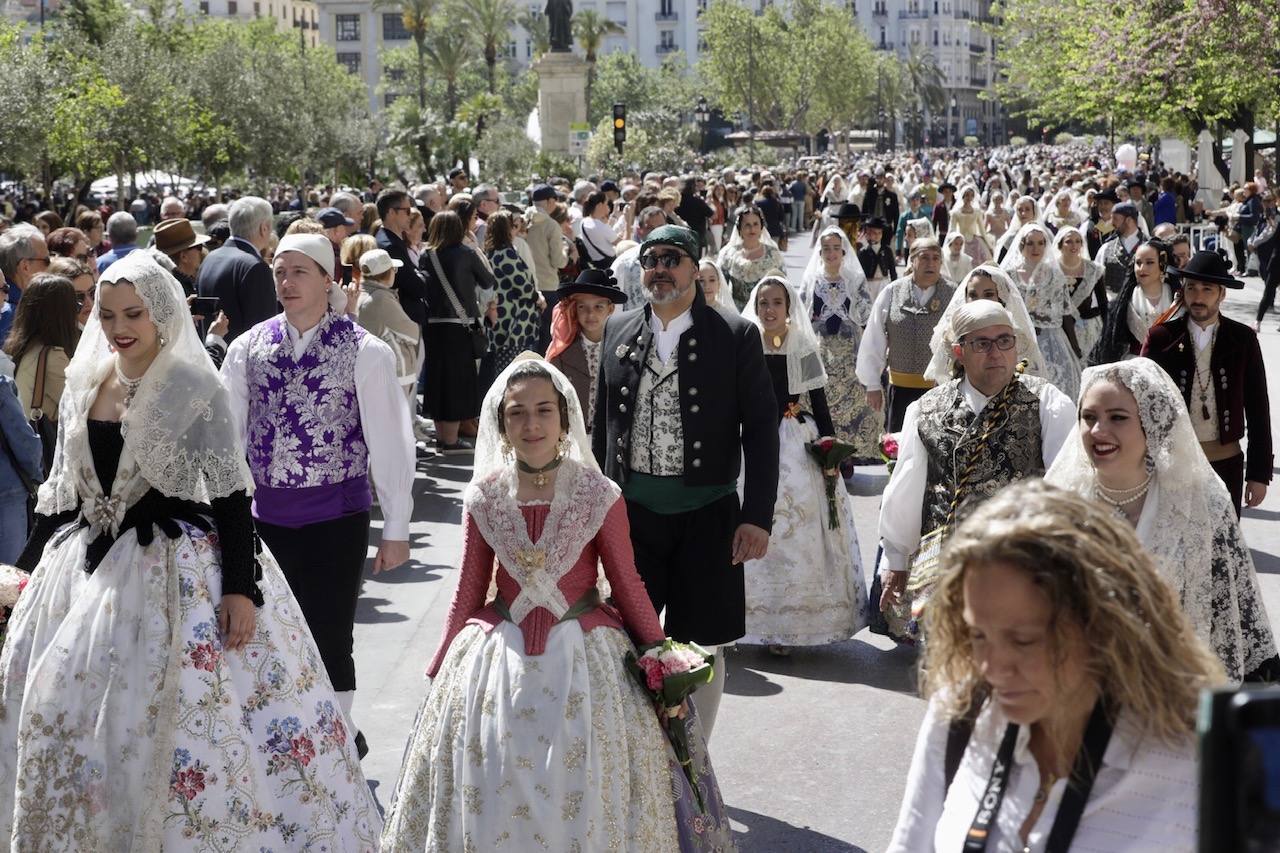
43 425
479 337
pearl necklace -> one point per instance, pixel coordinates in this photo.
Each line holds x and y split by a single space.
130 385
1121 498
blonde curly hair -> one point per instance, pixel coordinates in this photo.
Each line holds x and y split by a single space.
1142 651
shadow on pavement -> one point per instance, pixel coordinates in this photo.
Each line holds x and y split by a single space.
851 662
741 681
765 834
1266 564
369 610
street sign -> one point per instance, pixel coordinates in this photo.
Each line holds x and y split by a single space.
579 138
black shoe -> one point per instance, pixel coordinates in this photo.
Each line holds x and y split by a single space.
362 748
461 447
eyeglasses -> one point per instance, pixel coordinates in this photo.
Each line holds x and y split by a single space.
1004 343
44 260
668 260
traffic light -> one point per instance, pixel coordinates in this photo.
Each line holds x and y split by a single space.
619 126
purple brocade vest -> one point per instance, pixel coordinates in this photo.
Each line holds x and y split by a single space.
306 446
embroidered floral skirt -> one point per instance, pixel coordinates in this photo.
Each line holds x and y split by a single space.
854 420
126 726
559 751
808 590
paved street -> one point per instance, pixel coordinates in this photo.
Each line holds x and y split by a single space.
811 750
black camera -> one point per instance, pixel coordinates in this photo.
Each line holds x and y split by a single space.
1240 771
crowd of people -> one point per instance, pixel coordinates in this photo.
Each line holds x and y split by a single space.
201 402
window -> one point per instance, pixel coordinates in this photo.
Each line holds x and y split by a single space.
915 36
390 98
204 7
528 48
348 27
935 38
664 8
257 9
351 61
393 28
232 7
883 44
510 51
395 75
667 39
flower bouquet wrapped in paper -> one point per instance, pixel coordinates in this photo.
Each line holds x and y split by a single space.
830 453
12 582
669 673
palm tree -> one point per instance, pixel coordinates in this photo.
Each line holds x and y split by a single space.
926 82
416 17
536 26
449 52
489 21
590 29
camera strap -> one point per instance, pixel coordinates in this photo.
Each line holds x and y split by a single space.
1097 735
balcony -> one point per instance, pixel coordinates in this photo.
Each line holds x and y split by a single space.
977 47
664 49
912 14
666 17
978 82
879 10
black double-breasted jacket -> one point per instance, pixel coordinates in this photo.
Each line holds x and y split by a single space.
727 408
1239 384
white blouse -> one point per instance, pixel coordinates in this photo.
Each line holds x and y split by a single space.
1145 798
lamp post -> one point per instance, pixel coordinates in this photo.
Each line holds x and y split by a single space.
880 117
702 114
953 130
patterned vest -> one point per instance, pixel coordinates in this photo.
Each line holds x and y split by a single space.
947 427
306 445
910 326
657 429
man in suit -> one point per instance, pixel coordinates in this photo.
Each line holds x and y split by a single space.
394 207
1217 365
235 271
683 396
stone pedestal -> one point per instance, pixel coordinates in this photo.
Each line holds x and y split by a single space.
562 98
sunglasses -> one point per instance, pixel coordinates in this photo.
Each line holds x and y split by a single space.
668 260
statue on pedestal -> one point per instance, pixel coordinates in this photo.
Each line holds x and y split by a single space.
559 13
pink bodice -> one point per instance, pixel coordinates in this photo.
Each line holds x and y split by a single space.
630 608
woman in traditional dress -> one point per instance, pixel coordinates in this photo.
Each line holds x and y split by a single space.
1046 291
834 292
984 282
808 590
956 262
159 689
1136 451
714 288
1148 292
1063 213
750 254
1025 210
997 216
1084 278
968 218
533 735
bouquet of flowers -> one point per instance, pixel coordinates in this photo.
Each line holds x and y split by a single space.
889 450
12 583
669 673
830 453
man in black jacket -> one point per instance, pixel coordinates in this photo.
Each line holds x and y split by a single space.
683 395
235 272
393 210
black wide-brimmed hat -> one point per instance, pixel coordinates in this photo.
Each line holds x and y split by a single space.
848 210
594 283
1209 267
876 222
946 185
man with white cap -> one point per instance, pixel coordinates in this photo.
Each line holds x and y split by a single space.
321 411
961 443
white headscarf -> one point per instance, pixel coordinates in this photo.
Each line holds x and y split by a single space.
1187 523
804 364
735 239
855 280
940 365
963 264
1006 239
724 294
1014 261
923 227
1091 269
178 425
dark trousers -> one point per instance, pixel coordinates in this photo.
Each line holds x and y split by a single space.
1231 471
896 402
685 560
324 563
544 325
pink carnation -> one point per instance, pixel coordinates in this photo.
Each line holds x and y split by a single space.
653 673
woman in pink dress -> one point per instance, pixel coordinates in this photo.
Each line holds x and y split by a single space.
533 735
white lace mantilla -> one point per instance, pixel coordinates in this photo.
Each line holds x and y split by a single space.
582 500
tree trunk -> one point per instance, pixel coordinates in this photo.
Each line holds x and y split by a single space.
491 61
422 76
451 99
1244 120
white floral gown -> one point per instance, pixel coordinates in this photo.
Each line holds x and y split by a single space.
128 727
1048 299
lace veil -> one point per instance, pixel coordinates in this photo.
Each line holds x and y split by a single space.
177 427
489 456
939 369
850 273
724 295
1187 493
734 240
804 364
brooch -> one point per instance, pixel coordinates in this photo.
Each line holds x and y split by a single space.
1181 347
531 559
621 351
933 306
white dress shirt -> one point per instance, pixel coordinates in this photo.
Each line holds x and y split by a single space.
1145 797
666 340
1203 335
873 352
902 506
384 419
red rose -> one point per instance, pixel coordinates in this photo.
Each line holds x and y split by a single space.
826 444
